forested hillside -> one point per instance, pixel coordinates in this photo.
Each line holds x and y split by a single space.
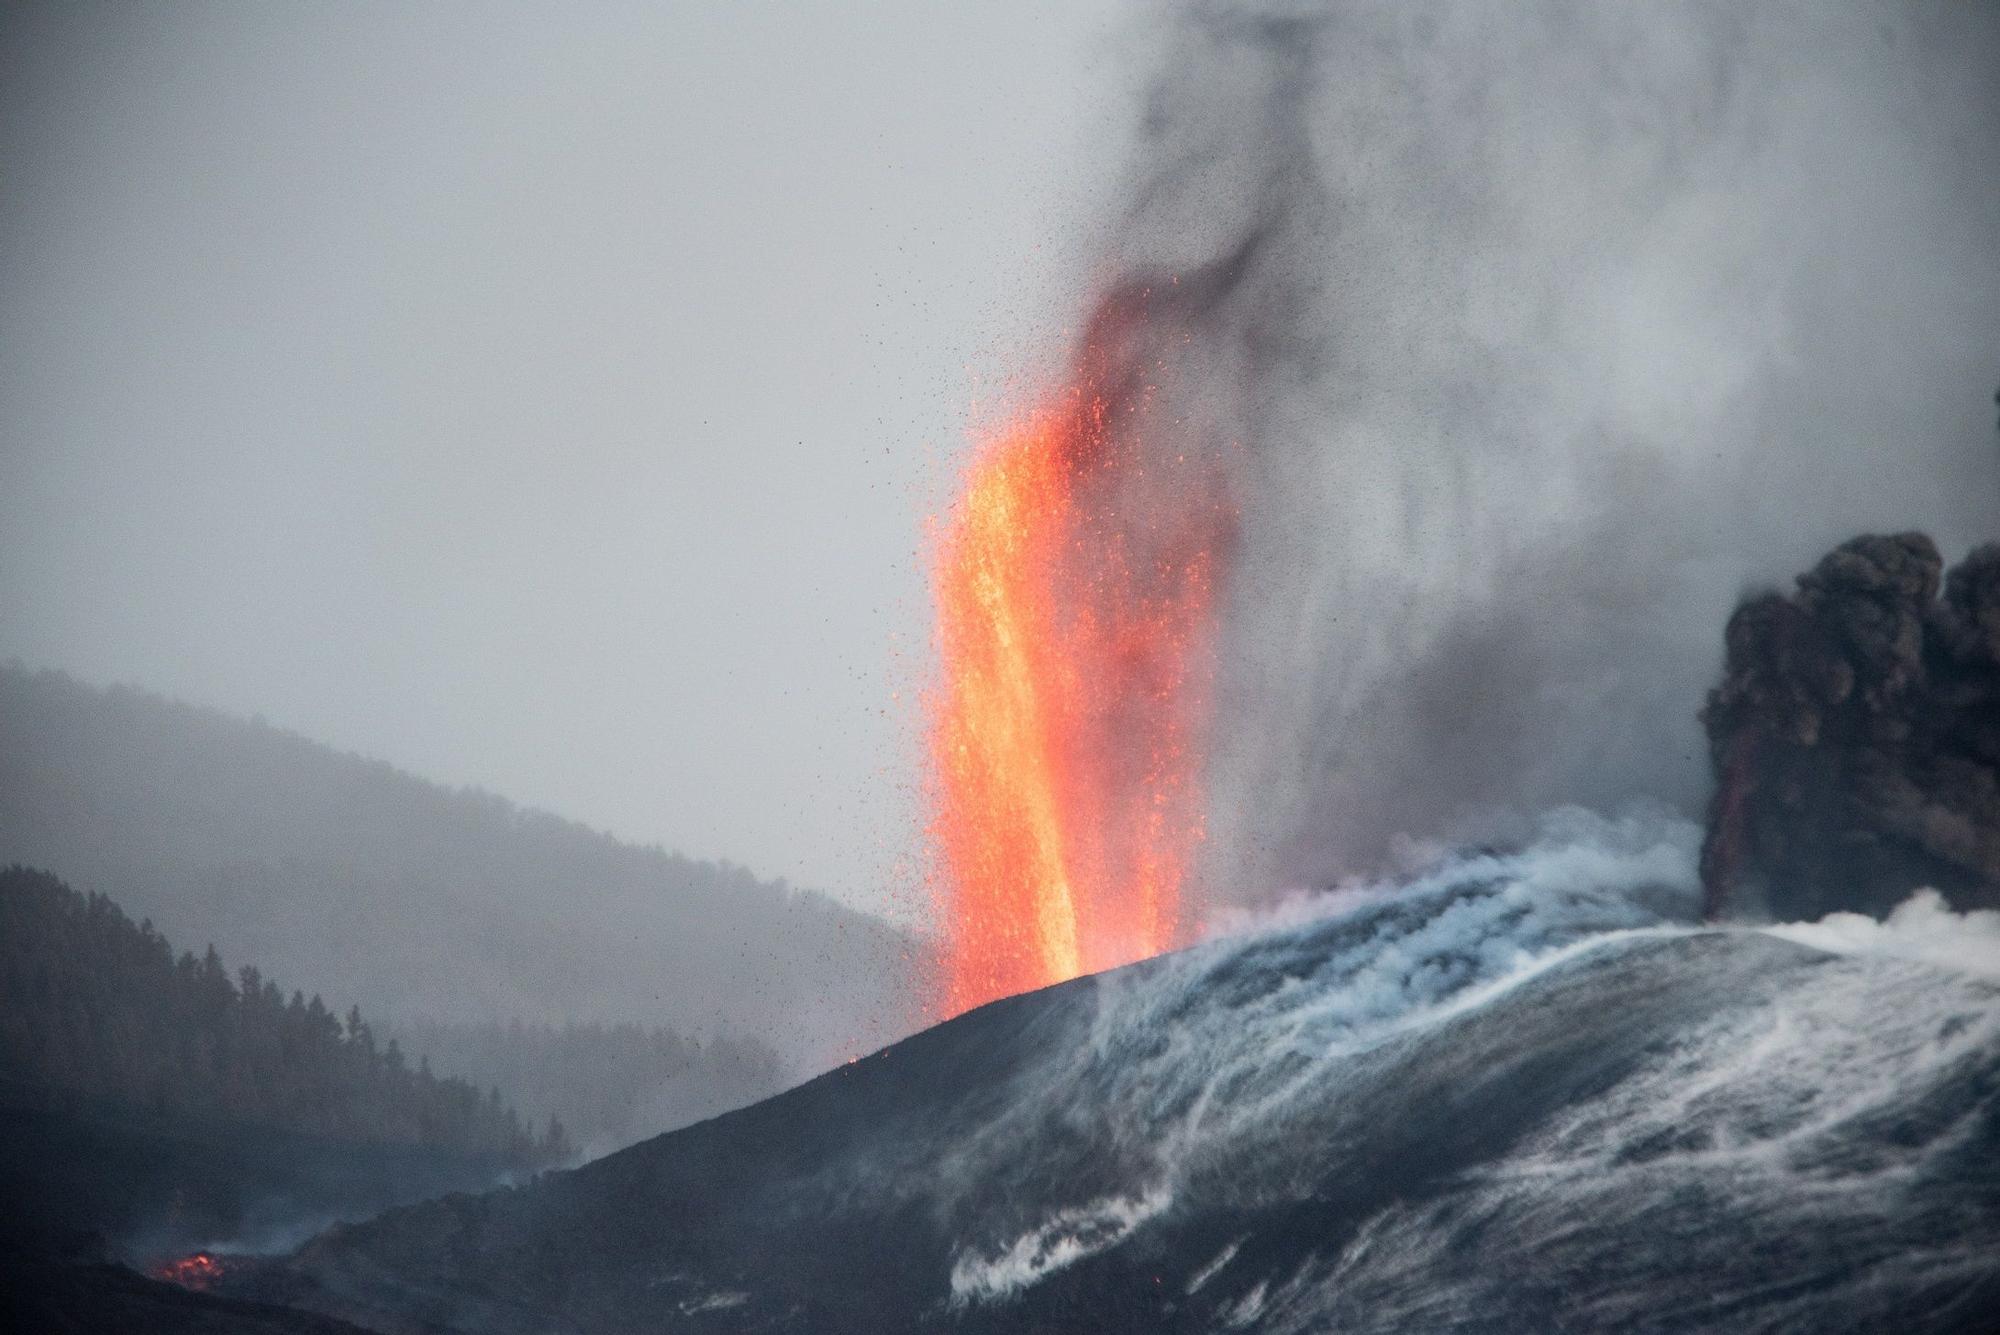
348 877
96 1008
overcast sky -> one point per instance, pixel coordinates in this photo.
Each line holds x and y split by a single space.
541 397
551 398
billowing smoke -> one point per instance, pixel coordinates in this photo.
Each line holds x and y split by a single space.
1548 330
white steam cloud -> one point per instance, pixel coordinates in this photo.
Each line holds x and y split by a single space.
1922 928
1548 328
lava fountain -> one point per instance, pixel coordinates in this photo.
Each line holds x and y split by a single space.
1075 584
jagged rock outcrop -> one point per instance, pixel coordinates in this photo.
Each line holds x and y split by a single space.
1856 736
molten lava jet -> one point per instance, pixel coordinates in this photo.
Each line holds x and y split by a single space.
1075 586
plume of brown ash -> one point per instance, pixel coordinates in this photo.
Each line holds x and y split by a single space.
1856 736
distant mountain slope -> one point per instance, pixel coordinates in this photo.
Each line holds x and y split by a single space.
347 876
608 1084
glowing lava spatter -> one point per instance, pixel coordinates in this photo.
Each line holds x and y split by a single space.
199 1271
1074 582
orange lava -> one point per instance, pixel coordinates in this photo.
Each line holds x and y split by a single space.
1074 585
199 1271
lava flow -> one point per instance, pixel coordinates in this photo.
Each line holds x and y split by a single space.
1074 581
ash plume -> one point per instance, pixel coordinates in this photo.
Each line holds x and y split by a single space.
1535 335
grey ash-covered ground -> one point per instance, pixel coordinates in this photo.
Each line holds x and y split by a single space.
1525 1092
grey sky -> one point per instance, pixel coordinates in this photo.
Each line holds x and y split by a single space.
550 398
542 397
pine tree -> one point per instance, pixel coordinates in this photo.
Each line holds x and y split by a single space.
93 1007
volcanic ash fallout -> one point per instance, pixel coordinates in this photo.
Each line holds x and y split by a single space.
1076 579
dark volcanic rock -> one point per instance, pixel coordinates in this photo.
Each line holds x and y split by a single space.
1379 1122
56 1288
1856 736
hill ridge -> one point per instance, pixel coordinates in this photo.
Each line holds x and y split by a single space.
355 877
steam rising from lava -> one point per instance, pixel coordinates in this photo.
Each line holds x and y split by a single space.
1556 325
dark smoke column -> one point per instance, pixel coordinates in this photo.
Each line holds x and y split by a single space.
1856 737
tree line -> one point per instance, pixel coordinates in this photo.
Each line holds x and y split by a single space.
95 1006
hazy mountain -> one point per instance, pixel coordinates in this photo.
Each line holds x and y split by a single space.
346 876
608 1084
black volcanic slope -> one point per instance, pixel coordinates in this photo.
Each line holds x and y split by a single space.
1513 1097
54 1295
